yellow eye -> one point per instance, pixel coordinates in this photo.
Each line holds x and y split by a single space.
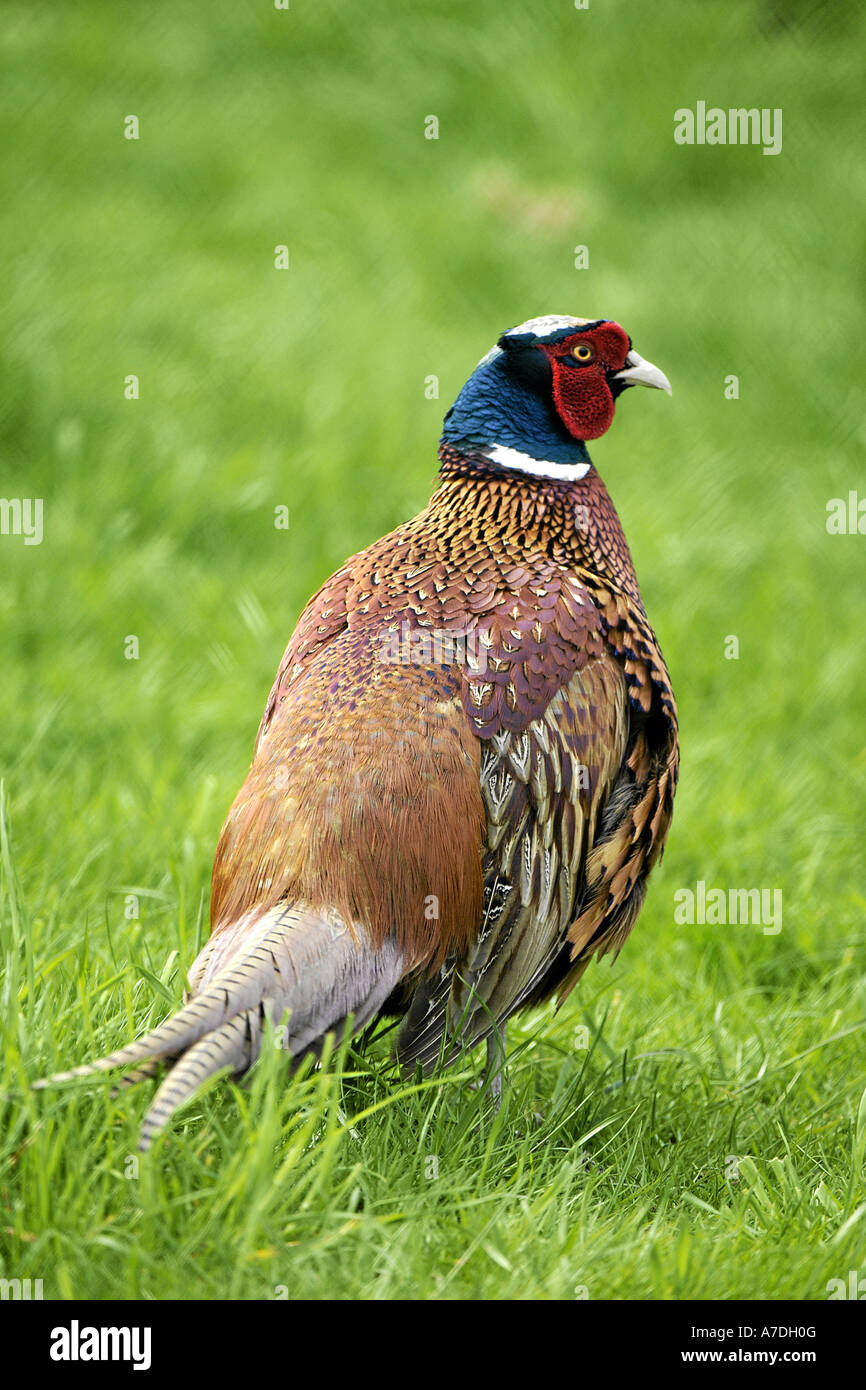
583 352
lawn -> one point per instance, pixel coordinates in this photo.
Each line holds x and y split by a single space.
692 1123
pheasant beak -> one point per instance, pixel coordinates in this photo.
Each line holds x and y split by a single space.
639 372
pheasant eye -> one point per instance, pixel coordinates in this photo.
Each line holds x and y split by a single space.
583 352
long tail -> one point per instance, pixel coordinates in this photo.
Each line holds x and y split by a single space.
292 958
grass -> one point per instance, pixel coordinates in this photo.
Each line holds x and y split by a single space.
692 1123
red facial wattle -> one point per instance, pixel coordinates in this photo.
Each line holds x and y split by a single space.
581 394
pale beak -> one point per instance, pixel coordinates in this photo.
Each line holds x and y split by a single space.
638 372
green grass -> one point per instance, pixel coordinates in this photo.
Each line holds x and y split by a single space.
609 1166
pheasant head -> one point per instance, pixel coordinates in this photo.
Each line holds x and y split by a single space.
547 386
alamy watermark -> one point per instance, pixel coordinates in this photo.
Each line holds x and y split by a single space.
854 1287
22 516
738 125
20 1289
716 907
846 516
77 1343
431 646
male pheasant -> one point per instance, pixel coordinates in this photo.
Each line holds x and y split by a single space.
466 767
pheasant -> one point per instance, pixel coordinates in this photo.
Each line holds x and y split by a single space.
466 767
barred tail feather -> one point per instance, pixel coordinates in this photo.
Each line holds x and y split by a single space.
291 959
235 1044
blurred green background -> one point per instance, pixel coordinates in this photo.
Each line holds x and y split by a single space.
306 388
